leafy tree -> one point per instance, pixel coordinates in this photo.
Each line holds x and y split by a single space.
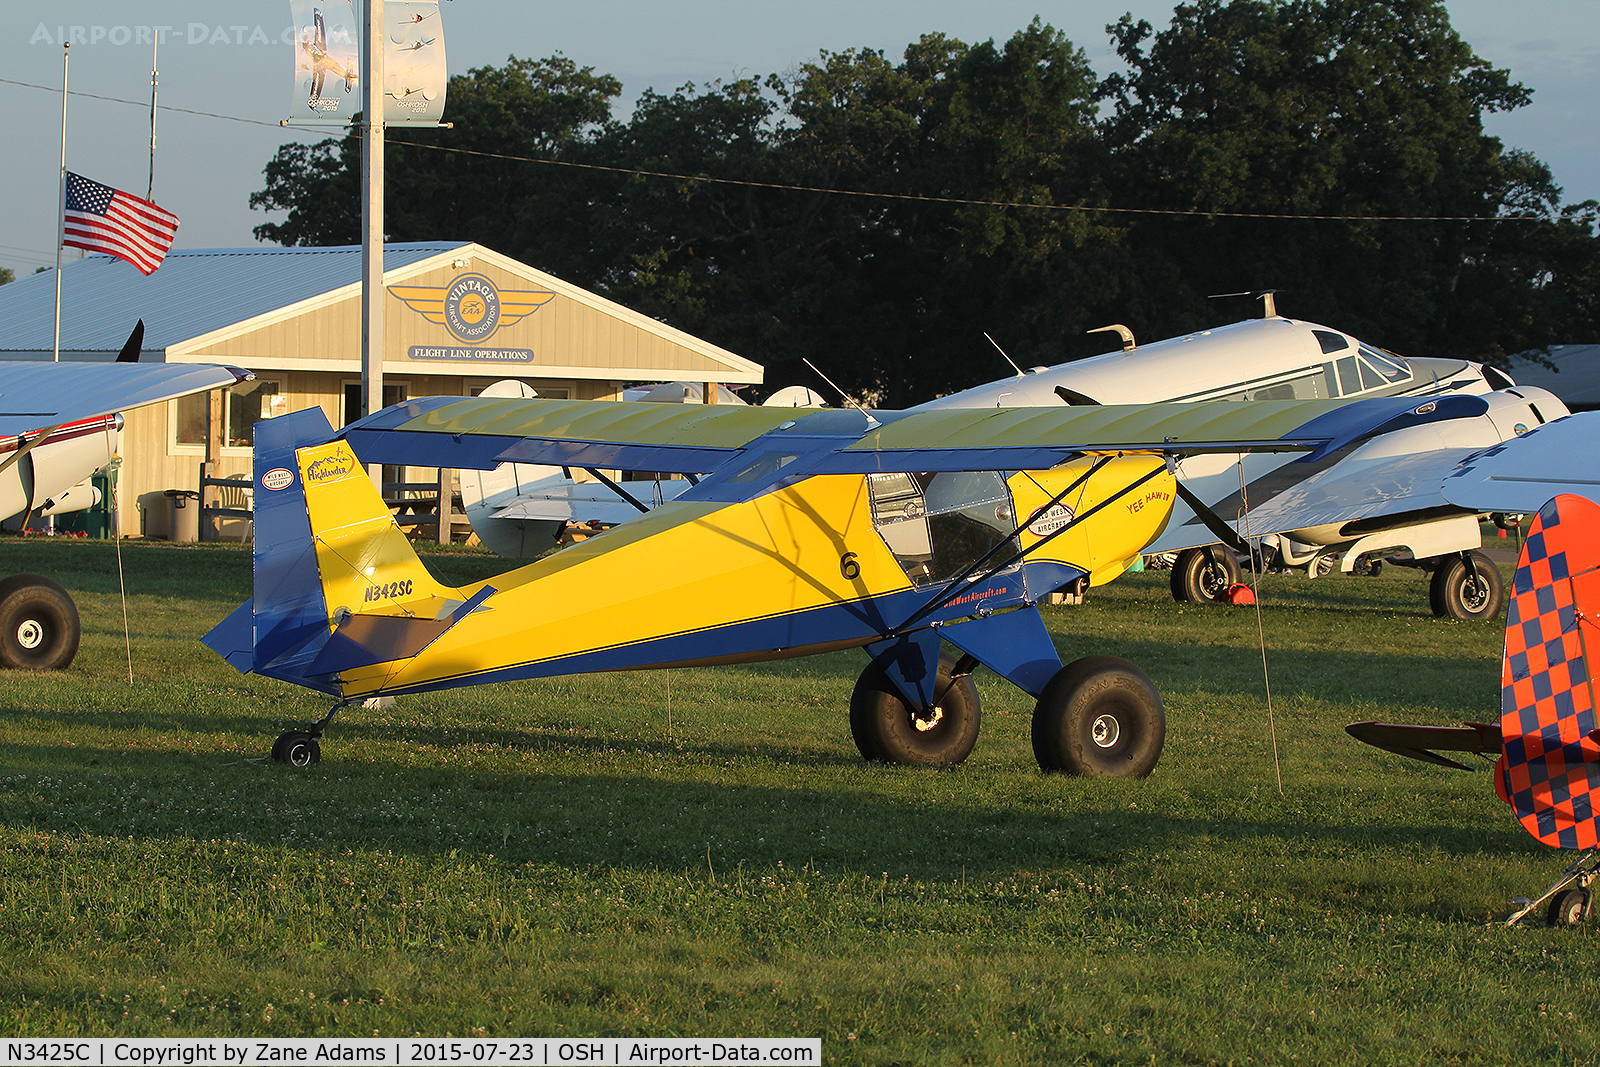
7 275
532 108
1331 108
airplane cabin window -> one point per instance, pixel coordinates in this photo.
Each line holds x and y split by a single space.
939 524
1330 341
1393 368
1349 376
1331 379
1370 379
1281 391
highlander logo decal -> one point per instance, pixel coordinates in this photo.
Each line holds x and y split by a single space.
328 467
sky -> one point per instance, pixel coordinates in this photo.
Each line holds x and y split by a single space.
229 58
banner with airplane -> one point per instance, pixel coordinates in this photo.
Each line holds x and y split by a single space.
327 82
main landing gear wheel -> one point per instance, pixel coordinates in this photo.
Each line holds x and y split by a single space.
889 730
1471 593
1203 575
39 627
1100 717
1568 908
297 748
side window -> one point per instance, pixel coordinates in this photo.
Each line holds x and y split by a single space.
1332 378
1281 391
1330 341
1370 378
1349 376
937 525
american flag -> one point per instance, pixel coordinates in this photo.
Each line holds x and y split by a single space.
103 219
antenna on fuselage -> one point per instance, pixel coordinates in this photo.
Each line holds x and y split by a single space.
1269 309
1121 331
1003 355
872 423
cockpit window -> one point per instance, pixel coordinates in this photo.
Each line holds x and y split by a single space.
1330 341
939 524
1393 368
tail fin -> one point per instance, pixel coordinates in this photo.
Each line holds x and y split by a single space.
337 585
1548 718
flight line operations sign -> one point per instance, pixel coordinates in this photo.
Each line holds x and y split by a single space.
472 308
488 1052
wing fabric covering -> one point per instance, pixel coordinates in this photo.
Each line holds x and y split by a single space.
693 439
1551 767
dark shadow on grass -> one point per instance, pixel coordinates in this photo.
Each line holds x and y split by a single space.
597 820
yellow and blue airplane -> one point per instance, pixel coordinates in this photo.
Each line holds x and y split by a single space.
805 531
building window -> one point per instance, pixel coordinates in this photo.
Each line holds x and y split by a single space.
247 404
243 406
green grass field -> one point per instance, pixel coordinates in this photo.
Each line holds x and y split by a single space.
702 852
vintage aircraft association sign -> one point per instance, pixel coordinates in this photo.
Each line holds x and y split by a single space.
473 309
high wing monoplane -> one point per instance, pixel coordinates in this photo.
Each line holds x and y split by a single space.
1546 744
804 531
58 425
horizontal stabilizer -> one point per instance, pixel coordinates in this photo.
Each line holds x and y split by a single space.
234 638
364 640
1417 741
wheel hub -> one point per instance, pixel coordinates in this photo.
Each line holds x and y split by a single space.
30 634
1105 731
934 717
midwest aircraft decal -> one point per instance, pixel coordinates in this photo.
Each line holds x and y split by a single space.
472 308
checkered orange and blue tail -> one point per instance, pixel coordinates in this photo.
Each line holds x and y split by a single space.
1549 769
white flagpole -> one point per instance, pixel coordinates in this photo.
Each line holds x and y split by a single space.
372 220
61 203
150 190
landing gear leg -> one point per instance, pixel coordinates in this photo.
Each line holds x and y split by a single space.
302 748
1570 903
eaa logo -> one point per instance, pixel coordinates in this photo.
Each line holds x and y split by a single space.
328 468
471 307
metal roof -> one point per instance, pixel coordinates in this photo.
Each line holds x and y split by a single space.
1575 379
195 291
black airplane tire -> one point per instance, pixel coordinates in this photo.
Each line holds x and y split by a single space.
297 748
1099 717
1568 908
887 731
39 625
1203 575
1455 594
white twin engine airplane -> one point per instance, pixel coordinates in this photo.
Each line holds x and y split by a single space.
1352 509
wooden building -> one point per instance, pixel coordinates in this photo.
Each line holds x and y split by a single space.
457 317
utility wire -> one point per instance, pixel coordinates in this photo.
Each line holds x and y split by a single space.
912 197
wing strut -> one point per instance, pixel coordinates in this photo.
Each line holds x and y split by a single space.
984 568
617 489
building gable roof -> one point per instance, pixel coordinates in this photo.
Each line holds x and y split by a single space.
196 291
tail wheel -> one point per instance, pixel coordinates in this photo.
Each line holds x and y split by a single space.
1099 717
889 730
1568 908
39 626
1203 575
297 748
1470 592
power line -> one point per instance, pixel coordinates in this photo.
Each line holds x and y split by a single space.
912 197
